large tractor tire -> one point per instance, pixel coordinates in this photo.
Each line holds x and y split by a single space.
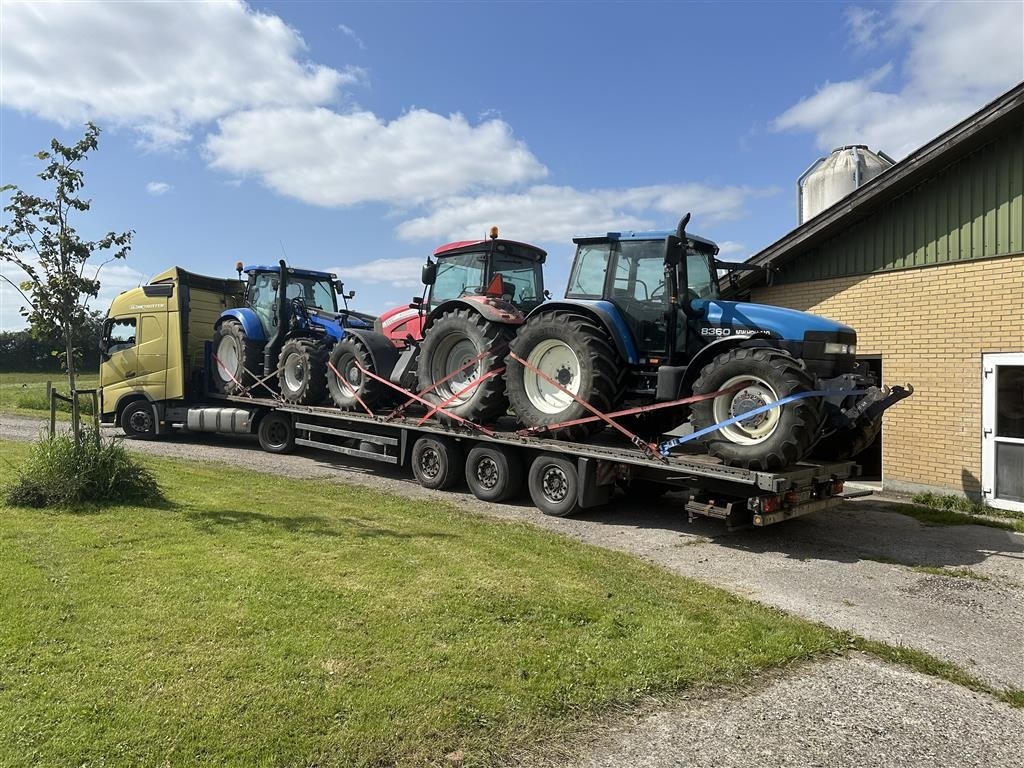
847 442
451 342
302 372
235 354
771 440
347 384
576 352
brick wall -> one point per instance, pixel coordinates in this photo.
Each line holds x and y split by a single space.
931 327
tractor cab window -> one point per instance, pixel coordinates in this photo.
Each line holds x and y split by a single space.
459 275
315 294
589 270
522 280
262 297
638 289
701 276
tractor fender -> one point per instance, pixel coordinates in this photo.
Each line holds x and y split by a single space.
383 353
248 319
713 350
605 314
491 309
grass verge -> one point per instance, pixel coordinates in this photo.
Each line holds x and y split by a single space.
24 394
935 516
259 620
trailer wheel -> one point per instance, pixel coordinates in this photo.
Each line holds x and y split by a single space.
769 441
138 420
302 372
554 485
276 433
437 462
494 473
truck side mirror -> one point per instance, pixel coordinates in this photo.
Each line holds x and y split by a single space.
429 273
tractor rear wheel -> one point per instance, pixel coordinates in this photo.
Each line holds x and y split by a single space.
771 440
575 351
302 372
450 343
236 360
347 384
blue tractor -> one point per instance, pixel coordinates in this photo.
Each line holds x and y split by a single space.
288 330
642 322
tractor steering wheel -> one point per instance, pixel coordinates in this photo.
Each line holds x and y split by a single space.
658 292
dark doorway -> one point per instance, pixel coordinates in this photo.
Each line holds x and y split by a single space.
870 459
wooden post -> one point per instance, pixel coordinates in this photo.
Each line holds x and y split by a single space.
53 408
96 413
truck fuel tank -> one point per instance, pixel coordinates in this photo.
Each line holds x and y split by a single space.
236 421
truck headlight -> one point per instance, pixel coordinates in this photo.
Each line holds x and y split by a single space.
835 348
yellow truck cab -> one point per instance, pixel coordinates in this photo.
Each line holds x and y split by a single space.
152 349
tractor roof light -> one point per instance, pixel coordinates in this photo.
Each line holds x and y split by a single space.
494 233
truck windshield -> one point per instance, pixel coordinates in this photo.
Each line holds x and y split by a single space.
465 274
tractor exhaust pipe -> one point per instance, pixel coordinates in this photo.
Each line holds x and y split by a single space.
273 349
675 272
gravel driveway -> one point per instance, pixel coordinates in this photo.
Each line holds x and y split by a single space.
850 568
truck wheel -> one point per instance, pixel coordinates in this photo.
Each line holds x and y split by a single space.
554 485
847 442
771 440
437 462
234 354
449 343
276 433
302 372
577 353
138 420
352 381
493 473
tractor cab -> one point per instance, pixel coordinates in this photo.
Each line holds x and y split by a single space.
627 269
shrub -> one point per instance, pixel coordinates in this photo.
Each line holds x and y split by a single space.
58 474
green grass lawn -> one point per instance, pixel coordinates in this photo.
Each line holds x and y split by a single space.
25 393
263 621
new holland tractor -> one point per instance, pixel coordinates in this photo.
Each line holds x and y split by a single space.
288 334
642 322
455 337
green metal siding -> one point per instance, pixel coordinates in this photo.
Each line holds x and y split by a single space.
973 209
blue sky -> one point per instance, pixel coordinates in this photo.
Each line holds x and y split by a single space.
359 136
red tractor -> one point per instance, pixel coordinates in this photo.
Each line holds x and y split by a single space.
455 337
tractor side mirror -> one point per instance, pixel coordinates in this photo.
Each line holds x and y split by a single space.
416 302
429 273
339 287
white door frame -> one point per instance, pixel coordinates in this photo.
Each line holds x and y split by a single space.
989 363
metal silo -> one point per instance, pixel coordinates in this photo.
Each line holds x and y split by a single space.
830 179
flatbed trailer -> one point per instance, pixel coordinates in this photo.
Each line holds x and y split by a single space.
562 477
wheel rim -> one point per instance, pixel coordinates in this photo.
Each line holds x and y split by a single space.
454 351
294 372
227 353
756 393
430 463
487 473
140 421
556 360
555 483
276 433
351 377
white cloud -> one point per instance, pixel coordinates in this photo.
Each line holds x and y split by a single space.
401 272
555 214
729 248
161 68
326 158
959 56
351 33
158 188
865 25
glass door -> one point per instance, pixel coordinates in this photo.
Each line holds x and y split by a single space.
1002 455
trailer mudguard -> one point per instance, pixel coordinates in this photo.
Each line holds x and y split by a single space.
249 321
383 353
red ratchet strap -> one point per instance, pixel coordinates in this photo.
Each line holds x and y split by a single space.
417 398
257 382
349 388
474 383
649 448
413 398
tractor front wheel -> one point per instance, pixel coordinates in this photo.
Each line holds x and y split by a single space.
302 372
767 441
236 360
348 385
575 352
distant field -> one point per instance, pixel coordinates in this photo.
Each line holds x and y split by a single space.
256 621
25 393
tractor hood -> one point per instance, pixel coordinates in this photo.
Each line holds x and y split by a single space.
783 323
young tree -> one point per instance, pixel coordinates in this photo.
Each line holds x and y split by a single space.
40 239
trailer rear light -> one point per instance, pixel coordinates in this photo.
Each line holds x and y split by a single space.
769 504
837 487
